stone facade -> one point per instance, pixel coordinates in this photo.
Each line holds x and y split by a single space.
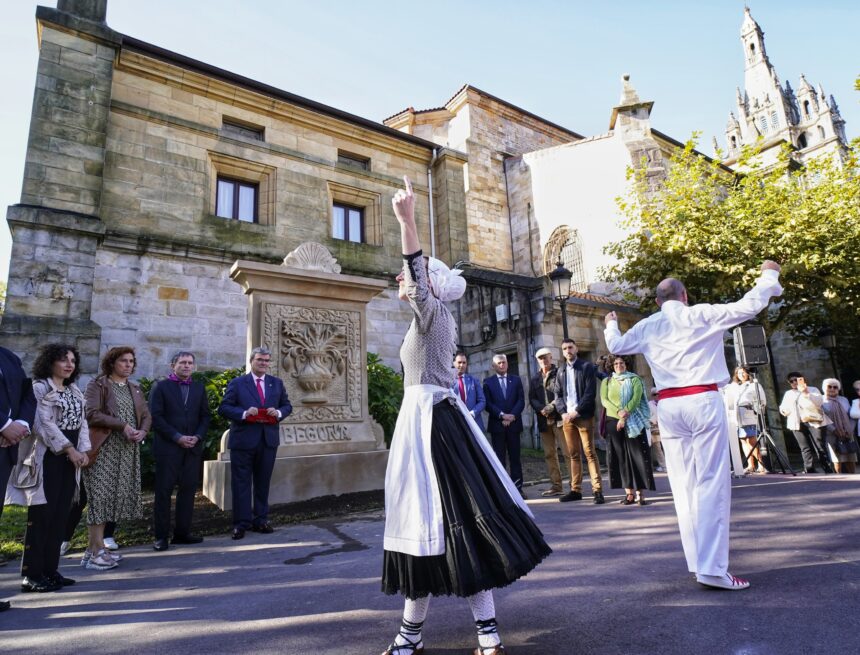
116 240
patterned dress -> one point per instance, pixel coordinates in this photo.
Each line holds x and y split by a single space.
113 482
489 540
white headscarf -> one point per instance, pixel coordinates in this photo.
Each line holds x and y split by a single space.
447 284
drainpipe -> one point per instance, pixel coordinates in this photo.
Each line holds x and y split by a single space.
432 216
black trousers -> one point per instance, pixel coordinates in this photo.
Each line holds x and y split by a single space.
805 436
75 514
251 469
175 466
507 444
45 523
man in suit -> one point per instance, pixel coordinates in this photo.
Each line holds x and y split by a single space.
255 403
541 399
575 391
469 389
180 418
505 405
17 412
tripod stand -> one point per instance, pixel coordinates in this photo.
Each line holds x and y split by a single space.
764 435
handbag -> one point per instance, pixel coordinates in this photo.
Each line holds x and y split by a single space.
27 474
846 447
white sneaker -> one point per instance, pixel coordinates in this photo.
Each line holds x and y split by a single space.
64 548
727 581
116 557
86 558
101 561
110 544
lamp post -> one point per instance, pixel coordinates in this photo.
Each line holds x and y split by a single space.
828 341
560 279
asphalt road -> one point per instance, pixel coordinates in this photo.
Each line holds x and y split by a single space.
615 584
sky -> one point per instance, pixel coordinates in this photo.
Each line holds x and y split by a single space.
561 60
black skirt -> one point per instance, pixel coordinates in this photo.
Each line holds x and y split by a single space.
628 460
489 540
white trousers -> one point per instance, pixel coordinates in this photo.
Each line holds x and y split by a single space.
695 441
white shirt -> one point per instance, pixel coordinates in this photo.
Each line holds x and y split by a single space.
570 387
684 345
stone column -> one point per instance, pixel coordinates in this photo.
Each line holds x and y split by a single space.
313 319
56 229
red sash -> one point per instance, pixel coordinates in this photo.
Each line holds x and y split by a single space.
674 392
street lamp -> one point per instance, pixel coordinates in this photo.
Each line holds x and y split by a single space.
827 339
560 279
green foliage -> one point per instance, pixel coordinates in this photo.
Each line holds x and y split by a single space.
215 383
385 394
712 229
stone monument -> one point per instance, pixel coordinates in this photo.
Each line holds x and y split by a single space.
313 319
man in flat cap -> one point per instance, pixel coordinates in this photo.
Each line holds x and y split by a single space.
541 398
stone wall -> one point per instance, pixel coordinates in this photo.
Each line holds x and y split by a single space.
496 131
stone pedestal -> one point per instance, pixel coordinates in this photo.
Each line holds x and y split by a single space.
313 319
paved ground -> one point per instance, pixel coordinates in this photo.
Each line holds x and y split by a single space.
615 584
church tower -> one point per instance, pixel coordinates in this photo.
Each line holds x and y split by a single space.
809 120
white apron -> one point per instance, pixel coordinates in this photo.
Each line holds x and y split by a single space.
414 523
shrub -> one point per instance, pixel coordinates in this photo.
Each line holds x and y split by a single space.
384 393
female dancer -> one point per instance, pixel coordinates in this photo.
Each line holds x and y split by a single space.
455 523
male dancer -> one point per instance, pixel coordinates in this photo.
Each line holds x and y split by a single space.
684 348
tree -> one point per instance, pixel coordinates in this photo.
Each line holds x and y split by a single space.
712 228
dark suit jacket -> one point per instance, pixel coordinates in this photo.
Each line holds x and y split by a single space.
475 400
585 374
539 393
512 403
172 418
17 402
241 395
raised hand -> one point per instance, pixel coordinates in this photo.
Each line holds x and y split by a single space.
611 316
404 203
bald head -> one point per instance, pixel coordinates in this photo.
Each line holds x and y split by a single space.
671 289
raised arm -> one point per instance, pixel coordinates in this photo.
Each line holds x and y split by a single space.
403 203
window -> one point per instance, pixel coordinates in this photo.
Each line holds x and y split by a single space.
236 199
565 244
802 140
233 127
763 121
347 223
241 189
355 214
774 120
734 143
356 161
821 133
806 108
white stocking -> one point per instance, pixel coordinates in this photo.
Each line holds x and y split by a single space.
414 613
484 612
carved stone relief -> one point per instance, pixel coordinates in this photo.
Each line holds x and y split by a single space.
318 352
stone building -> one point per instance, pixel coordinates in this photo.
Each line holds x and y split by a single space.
808 120
148 174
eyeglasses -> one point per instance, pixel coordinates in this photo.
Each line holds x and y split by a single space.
792 380
832 386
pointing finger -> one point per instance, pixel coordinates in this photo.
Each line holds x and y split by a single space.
408 184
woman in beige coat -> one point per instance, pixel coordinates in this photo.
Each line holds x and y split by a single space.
49 463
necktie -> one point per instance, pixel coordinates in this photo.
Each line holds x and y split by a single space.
504 382
260 391
462 389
